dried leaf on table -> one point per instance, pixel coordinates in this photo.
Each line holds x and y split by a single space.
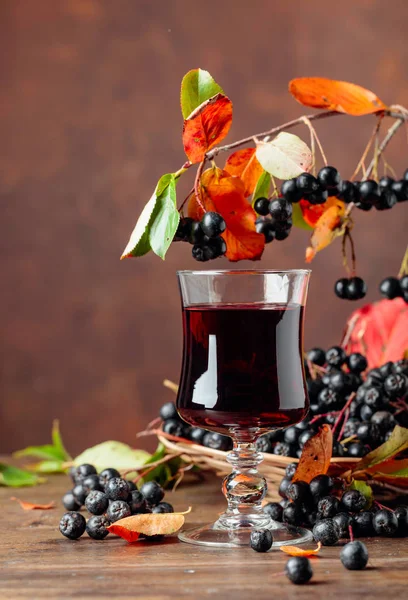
296 551
132 527
33 506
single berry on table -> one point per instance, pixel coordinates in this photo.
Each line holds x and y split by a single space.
96 502
153 492
274 510
70 502
261 206
353 501
261 540
117 489
107 474
354 556
342 521
72 525
137 502
97 526
390 288
299 570
385 522
163 507
118 509
363 524
212 224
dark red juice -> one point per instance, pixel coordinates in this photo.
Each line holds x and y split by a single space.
243 367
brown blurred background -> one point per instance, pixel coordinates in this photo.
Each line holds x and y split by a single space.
89 120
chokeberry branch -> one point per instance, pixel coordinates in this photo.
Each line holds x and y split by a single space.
390 134
404 265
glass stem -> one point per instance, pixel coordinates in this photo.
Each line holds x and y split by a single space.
244 488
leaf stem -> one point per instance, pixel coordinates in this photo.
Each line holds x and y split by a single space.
197 185
404 265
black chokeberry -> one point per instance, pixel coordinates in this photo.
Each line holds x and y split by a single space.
196 235
326 532
328 507
318 197
354 556
173 427
321 486
369 433
317 356
356 450
305 437
282 449
356 288
298 491
217 441
168 411
299 570
283 486
92 483
328 177
341 383
387 200
72 525
373 398
396 385
97 526
263 444
199 253
292 514
83 471
118 509
353 501
280 209
386 182
390 288
401 513
281 234
183 230
196 434
335 356
107 474
307 183
212 224
137 502
163 507
384 420
369 191
70 502
362 524
261 540
338 449
347 191
96 502
291 435
404 285
351 426
267 229
357 363
290 470
400 189
328 399
117 489
261 206
290 191
342 521
341 288
274 510
79 493
153 492
385 522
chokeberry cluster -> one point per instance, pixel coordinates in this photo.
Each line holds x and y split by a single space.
393 287
275 221
204 235
333 512
107 497
353 288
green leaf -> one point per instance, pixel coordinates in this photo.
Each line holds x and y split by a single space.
197 87
57 441
14 477
47 452
165 220
297 218
161 206
393 446
48 466
365 489
262 187
113 454
284 157
400 473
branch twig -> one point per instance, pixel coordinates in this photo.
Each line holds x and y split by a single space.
390 134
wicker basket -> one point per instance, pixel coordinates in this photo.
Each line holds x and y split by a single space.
272 468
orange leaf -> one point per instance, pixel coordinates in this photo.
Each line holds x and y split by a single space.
131 528
379 331
31 506
206 126
296 551
245 165
344 97
225 194
327 227
316 455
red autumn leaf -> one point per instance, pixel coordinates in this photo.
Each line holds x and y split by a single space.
131 528
206 126
342 96
327 228
312 212
296 551
245 165
316 455
225 194
32 506
379 331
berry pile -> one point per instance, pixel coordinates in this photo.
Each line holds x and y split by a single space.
362 406
204 235
392 287
107 497
332 512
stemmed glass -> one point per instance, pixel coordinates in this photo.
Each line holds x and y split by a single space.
242 376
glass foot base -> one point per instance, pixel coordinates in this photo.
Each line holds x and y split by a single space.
215 536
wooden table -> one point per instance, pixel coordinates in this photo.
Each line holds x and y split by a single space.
36 561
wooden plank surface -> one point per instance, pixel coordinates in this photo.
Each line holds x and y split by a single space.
36 561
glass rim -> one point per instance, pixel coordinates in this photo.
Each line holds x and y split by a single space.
244 272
